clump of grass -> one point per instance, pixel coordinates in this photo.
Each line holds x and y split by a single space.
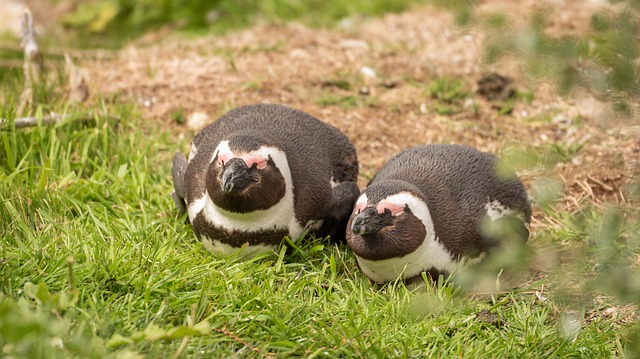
539 158
330 99
179 116
449 93
341 83
345 101
447 89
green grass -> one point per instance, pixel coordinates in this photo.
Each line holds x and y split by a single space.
95 263
113 22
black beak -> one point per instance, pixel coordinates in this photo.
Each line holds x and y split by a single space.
235 176
369 221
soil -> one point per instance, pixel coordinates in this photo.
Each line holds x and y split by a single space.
368 77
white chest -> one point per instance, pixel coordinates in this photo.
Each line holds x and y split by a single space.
430 254
280 216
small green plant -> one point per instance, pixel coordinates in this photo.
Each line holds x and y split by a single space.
179 116
345 101
329 99
448 90
36 326
255 84
564 152
340 83
524 95
449 93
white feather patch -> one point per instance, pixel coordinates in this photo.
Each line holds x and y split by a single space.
496 210
225 250
279 216
314 224
430 254
333 182
192 152
361 203
223 147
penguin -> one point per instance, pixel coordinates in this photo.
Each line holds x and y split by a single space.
262 172
427 210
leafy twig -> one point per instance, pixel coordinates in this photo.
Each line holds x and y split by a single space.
61 51
50 119
32 121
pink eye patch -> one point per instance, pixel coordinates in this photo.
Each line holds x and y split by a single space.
360 206
395 209
224 158
250 160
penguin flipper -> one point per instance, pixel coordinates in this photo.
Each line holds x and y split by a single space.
178 172
343 197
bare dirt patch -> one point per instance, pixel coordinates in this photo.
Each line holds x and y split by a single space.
369 79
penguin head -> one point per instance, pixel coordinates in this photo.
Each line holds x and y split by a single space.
370 219
247 173
390 220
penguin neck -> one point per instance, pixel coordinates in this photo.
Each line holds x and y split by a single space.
271 215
